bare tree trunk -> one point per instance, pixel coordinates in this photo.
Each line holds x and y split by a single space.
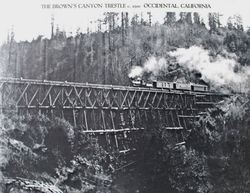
75 60
104 57
10 54
16 73
123 29
21 61
45 60
126 23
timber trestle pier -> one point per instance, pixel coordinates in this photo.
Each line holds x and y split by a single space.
114 113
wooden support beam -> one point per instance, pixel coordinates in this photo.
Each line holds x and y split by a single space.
126 150
181 143
173 128
200 96
202 113
205 103
188 116
23 93
112 130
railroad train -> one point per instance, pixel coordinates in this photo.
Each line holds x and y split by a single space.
170 85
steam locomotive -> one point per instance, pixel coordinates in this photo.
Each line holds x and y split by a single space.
170 85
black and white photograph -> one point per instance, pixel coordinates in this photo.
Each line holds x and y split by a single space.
124 96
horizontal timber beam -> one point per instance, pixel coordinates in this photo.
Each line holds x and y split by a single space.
112 130
173 128
97 108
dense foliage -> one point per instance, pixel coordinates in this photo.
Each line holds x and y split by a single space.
214 159
50 149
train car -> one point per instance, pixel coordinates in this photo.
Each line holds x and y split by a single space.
182 86
199 87
163 84
149 84
138 82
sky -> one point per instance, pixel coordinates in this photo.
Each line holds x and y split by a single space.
28 19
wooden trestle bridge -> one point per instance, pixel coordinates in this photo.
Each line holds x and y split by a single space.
114 112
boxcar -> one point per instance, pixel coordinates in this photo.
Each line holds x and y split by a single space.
182 86
199 87
163 84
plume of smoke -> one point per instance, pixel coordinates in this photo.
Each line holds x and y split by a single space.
152 65
136 71
220 70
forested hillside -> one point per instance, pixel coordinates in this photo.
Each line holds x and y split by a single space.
120 42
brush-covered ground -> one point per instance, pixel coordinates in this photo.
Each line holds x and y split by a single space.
50 151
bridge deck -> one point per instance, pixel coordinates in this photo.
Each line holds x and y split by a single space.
103 86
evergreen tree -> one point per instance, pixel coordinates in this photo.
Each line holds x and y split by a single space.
170 18
235 22
188 18
230 23
196 17
182 17
212 22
